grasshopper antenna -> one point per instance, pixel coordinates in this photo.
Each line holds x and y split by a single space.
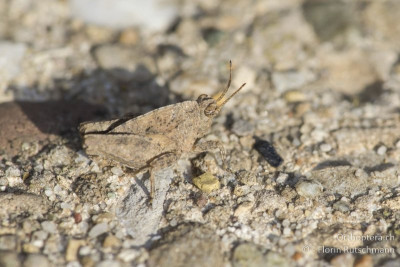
226 100
229 83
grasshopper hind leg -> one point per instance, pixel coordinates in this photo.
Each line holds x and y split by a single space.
160 162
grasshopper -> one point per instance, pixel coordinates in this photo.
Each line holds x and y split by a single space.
158 138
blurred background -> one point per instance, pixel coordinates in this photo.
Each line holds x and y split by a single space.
148 53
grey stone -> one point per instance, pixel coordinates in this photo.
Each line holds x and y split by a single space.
341 206
49 226
188 245
381 150
108 263
140 219
288 80
8 242
152 14
9 259
248 255
309 189
276 259
347 181
98 229
11 55
17 204
34 260
243 127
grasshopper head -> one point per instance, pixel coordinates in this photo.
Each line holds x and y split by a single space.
212 105
208 104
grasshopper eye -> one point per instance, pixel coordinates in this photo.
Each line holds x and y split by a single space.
211 110
202 97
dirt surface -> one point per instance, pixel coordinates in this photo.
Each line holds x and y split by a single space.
312 141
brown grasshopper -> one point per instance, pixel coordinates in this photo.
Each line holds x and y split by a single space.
158 138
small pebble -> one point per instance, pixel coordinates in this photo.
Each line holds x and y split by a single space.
108 263
9 259
285 223
72 249
3 181
287 231
77 217
117 171
359 173
325 147
38 243
243 209
173 223
242 128
248 254
49 227
365 261
111 242
84 250
294 96
48 192
40 235
128 255
343 260
8 242
341 206
268 152
308 189
381 150
65 205
98 229
276 259
206 182
281 179
30 248
35 260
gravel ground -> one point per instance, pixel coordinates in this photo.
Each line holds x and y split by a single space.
312 141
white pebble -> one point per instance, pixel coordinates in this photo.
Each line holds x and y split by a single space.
48 192
49 227
33 260
13 171
38 243
308 189
325 147
14 181
83 226
73 264
128 255
381 150
282 178
98 229
108 263
65 205
359 173
40 235
117 171
285 223
318 135
287 231
84 250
